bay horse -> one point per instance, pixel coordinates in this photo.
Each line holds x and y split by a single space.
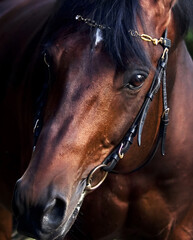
82 81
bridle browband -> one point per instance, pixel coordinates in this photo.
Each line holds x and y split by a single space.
136 128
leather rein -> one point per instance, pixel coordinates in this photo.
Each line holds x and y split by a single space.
136 128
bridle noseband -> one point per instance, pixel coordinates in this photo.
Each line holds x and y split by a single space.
136 128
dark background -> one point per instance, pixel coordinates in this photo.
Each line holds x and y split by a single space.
189 38
189 41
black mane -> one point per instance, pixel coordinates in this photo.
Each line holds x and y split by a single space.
120 16
183 14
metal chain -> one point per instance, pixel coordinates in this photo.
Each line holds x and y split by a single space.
146 37
133 33
91 22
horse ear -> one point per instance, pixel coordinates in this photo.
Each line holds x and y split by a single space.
158 10
160 5
168 4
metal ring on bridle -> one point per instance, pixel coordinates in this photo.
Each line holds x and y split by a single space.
45 60
166 50
166 111
36 125
89 186
121 155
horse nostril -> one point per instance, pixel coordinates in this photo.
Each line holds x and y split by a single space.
54 214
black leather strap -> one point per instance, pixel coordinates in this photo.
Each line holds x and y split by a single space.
137 126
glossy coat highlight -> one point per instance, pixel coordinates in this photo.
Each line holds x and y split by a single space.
87 108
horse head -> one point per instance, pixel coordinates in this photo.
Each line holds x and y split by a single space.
101 64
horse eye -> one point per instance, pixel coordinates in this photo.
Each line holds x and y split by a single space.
136 81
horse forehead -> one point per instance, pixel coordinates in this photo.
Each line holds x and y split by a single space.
98 36
78 67
70 42
66 48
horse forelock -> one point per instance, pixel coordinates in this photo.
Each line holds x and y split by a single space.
120 16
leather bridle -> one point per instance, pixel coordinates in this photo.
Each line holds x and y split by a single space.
136 128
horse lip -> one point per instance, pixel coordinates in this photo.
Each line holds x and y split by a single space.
47 233
22 230
44 232
41 234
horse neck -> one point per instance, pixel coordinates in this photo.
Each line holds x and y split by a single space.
180 95
180 73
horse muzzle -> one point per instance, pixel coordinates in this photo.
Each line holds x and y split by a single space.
49 218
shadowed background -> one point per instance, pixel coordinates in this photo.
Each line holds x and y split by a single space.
189 39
